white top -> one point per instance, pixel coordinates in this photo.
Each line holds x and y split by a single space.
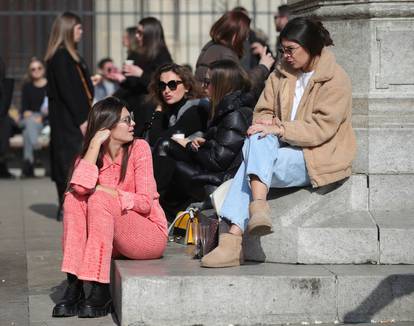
301 83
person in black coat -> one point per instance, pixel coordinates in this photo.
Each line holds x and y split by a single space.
182 104
70 93
204 163
152 52
182 109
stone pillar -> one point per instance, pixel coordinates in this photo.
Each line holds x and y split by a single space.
374 43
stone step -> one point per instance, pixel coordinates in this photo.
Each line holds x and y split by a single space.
334 225
175 290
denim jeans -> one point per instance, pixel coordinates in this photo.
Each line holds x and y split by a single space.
275 163
31 134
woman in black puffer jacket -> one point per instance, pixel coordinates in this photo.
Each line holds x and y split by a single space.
204 163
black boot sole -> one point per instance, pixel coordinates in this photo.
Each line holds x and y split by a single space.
68 311
94 312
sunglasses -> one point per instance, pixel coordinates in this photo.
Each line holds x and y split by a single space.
128 119
172 85
206 82
36 68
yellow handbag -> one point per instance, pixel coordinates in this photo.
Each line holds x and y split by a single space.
184 227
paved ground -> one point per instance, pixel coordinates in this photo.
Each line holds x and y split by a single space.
30 280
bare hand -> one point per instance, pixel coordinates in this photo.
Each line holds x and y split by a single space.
266 59
96 79
132 71
263 130
83 128
27 114
38 119
197 142
158 108
117 76
101 136
182 142
108 190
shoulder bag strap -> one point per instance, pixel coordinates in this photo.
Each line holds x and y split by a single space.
85 86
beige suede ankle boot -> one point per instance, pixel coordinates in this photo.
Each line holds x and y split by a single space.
259 222
227 254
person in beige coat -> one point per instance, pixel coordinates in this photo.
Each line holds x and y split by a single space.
301 135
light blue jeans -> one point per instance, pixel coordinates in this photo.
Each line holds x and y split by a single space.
275 163
31 134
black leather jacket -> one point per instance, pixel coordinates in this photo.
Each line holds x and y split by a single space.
220 156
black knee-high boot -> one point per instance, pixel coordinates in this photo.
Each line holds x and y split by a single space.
74 294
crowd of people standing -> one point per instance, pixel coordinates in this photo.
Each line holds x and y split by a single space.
133 146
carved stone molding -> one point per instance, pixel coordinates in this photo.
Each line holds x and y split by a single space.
351 9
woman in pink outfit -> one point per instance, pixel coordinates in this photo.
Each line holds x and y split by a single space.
111 209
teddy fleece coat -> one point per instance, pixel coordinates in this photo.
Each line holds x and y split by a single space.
322 126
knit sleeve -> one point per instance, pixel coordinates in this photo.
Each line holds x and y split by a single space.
142 199
85 177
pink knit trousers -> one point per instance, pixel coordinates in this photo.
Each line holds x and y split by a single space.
95 229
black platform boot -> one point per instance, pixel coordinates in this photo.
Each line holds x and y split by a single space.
98 303
68 305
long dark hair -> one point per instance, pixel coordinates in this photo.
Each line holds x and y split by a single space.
231 30
226 76
131 33
105 114
153 38
188 79
307 32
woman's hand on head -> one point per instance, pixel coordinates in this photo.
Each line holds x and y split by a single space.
132 71
101 136
264 130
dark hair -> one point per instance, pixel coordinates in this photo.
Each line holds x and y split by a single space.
308 33
226 76
153 38
189 82
231 30
105 114
132 37
283 11
241 9
103 61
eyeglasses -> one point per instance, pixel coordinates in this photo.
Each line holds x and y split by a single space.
288 51
128 119
206 82
36 68
172 85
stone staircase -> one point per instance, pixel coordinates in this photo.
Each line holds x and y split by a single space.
337 224
325 262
